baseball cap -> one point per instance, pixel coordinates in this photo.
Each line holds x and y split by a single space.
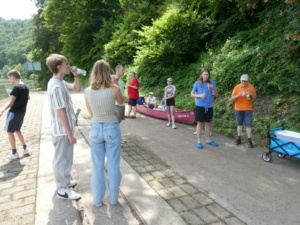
170 79
150 93
245 77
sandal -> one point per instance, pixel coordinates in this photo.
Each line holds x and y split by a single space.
199 146
212 143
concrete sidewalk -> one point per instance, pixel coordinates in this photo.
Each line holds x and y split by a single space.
166 180
132 209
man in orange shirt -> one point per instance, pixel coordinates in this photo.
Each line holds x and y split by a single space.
243 95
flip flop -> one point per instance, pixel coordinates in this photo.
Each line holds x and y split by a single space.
212 143
199 146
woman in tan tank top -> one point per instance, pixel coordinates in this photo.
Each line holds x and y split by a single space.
105 135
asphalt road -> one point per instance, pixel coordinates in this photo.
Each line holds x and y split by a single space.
235 176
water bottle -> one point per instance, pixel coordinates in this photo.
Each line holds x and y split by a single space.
248 94
73 69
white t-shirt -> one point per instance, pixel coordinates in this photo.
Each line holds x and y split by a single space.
152 100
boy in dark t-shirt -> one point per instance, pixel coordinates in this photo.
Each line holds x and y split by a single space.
19 97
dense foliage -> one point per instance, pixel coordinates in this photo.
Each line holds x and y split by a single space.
15 44
177 38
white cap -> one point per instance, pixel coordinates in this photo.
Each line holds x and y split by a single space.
245 77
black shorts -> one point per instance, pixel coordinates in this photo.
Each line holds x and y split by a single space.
204 114
132 102
14 121
170 102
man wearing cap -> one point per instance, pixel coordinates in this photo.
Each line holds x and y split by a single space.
243 95
151 101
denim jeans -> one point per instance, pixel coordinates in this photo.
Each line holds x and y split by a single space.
105 140
244 116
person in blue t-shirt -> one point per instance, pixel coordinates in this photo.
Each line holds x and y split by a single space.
204 90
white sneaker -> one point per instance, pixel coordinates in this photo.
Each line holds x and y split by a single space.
67 193
12 156
72 183
173 126
168 124
98 205
195 132
26 151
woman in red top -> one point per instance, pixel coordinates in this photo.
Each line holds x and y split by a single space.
133 94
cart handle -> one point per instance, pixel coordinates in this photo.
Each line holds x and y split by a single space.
277 128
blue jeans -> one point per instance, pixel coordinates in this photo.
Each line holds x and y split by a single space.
105 140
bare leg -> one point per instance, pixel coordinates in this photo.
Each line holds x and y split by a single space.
134 111
172 114
129 110
196 128
199 128
248 130
207 131
20 136
169 113
239 130
12 140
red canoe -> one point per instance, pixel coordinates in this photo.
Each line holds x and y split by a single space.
181 115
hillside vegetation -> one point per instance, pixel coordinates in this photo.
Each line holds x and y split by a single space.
15 45
163 38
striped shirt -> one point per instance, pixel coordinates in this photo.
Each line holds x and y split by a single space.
58 98
102 105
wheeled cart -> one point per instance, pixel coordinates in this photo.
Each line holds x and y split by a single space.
283 142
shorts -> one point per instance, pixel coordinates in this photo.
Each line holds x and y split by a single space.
151 106
120 110
170 102
14 121
244 117
204 114
132 102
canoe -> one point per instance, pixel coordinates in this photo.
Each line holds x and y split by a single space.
181 115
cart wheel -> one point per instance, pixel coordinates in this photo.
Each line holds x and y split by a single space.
281 155
267 156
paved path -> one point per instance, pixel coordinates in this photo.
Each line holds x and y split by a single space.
166 180
18 178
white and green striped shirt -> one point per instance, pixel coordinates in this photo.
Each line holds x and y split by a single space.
59 97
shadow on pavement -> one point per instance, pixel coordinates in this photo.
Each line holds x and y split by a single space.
62 212
11 169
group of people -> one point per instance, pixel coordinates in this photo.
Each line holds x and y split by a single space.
105 101
205 90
